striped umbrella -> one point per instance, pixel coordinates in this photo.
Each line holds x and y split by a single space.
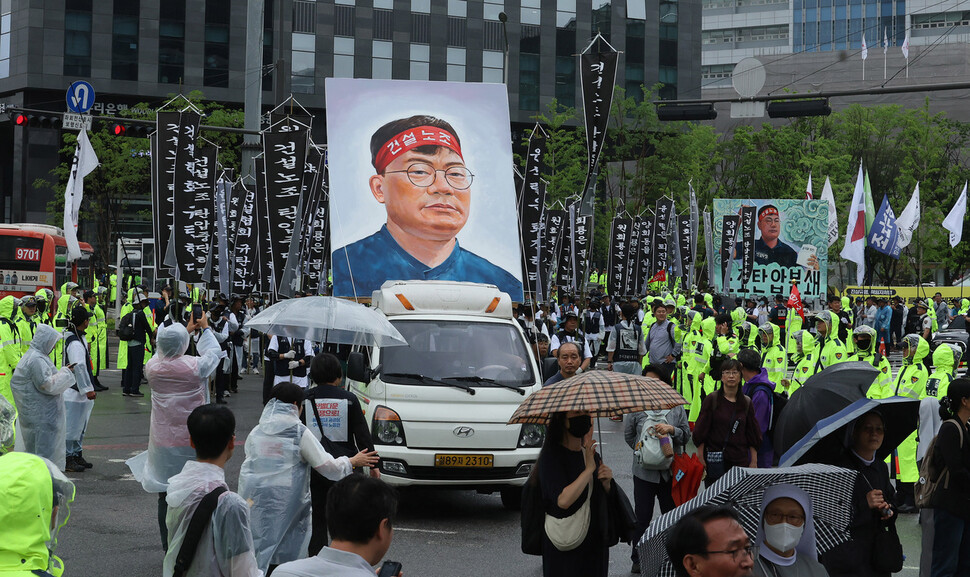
601 393
829 487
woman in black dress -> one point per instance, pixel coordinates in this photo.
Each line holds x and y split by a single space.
568 464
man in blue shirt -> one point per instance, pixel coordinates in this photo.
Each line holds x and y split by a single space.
425 187
884 318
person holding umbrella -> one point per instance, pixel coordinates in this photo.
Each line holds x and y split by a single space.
727 433
872 501
572 476
786 536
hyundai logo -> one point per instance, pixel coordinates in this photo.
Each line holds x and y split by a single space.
464 431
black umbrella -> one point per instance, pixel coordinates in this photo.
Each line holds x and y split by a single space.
829 438
822 395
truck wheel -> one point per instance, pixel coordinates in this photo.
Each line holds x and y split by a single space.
512 498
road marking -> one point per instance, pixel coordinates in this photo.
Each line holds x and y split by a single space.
426 531
117 460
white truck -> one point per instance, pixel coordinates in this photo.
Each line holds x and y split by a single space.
438 408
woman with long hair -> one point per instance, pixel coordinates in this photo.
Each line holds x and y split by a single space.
951 514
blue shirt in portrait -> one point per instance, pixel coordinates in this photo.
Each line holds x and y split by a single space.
379 258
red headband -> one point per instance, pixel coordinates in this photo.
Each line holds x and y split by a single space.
768 212
413 138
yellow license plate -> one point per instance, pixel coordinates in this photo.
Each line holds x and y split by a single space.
463 460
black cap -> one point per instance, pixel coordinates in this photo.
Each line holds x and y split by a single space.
79 315
88 295
570 314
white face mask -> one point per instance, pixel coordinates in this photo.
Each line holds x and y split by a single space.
783 537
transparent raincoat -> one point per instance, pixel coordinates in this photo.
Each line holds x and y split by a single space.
275 481
226 546
37 387
30 487
179 384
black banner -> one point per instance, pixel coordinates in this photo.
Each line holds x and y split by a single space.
245 244
729 232
597 72
632 263
316 245
619 254
284 154
220 268
555 223
685 244
163 175
265 260
295 263
194 212
664 213
747 243
532 199
583 239
564 271
183 227
646 251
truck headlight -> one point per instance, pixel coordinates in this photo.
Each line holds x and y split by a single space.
387 427
532 435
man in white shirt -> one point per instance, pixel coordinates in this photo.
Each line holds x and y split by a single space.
360 511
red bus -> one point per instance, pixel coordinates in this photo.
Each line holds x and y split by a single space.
34 256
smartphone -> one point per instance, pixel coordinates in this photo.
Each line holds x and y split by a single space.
60 323
389 569
196 312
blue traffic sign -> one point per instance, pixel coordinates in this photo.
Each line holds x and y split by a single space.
80 97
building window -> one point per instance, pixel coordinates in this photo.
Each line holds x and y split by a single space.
529 82
383 24
304 60
494 38
343 57
717 71
456 65
344 17
421 6
602 18
635 59
305 16
5 17
566 66
77 38
124 40
458 8
171 41
529 12
457 28
383 4
493 63
420 62
492 9
382 52
216 68
421 28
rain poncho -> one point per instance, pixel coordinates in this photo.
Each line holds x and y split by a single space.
882 387
773 357
9 344
38 387
26 327
831 349
804 359
275 481
945 358
804 562
29 487
699 367
911 382
226 546
179 384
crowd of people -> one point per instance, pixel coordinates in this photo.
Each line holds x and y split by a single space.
297 490
732 359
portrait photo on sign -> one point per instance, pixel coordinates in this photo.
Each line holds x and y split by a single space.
421 184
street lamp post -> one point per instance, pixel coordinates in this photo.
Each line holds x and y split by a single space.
503 18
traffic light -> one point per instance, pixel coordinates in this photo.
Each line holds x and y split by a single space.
799 108
131 130
118 130
20 119
672 112
37 120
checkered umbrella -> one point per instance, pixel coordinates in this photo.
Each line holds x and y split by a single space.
601 393
829 487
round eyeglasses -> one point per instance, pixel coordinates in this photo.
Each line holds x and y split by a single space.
424 175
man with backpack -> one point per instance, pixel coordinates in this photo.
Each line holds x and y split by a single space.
594 326
661 346
919 322
761 392
626 347
198 498
135 326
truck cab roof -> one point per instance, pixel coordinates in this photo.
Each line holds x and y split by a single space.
417 297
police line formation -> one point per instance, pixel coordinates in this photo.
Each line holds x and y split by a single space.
55 352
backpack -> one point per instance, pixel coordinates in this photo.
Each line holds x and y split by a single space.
647 452
931 477
591 323
126 327
777 402
670 334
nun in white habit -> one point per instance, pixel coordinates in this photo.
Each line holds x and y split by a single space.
786 537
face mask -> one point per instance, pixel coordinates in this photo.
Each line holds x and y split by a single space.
783 537
579 426
41 307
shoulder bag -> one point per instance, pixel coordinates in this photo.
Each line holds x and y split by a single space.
569 532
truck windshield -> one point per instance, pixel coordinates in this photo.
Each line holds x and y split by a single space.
495 353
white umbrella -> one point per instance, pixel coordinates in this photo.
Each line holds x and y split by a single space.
327 320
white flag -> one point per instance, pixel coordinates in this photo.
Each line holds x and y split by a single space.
865 52
885 40
828 197
808 188
905 46
855 230
908 220
85 160
954 221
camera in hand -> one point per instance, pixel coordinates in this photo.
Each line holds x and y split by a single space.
196 311
390 569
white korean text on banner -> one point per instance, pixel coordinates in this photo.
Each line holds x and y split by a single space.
645 256
244 245
747 243
532 201
790 245
631 284
184 223
664 213
555 223
195 213
564 270
422 184
685 244
583 237
265 261
284 155
597 77
163 174
619 253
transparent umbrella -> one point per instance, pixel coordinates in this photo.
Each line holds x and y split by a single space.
327 320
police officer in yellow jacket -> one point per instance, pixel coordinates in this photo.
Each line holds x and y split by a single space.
10 352
96 324
773 357
27 321
865 350
831 350
910 382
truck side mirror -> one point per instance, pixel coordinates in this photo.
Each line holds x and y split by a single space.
550 366
357 370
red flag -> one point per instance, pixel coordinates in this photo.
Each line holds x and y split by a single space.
659 277
795 301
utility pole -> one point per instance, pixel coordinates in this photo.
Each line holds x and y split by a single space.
253 107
